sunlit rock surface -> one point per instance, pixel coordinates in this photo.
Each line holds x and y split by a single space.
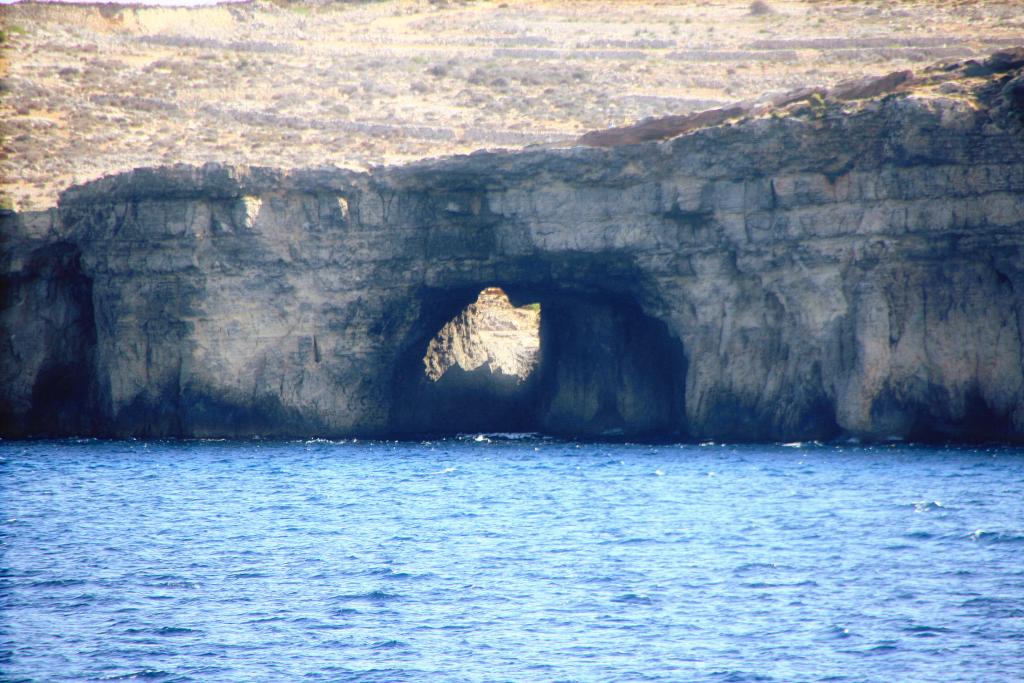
827 266
490 333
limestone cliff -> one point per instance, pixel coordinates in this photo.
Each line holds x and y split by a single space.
826 264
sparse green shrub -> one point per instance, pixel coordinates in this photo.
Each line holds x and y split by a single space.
818 106
11 29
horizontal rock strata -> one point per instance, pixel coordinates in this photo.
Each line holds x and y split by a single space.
828 266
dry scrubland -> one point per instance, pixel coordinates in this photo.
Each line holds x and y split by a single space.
98 89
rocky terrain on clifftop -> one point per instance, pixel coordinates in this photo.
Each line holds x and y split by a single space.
837 263
89 90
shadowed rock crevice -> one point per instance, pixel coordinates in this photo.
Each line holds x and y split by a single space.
970 418
63 392
608 369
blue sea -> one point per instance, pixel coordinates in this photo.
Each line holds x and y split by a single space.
501 558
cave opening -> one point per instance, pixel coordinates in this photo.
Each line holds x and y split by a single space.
521 359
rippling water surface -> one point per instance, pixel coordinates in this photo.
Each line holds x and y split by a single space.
500 559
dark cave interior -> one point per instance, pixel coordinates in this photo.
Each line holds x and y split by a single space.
604 369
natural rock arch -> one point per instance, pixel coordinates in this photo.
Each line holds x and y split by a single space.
605 369
855 269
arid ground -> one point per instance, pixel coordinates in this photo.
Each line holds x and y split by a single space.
91 90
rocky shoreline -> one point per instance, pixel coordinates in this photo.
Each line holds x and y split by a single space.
844 263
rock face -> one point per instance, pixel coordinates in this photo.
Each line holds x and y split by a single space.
828 267
490 332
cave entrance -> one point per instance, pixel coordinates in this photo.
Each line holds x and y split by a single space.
554 362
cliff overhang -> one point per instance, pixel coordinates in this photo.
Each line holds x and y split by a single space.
812 265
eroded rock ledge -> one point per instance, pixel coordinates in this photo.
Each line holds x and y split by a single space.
826 266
